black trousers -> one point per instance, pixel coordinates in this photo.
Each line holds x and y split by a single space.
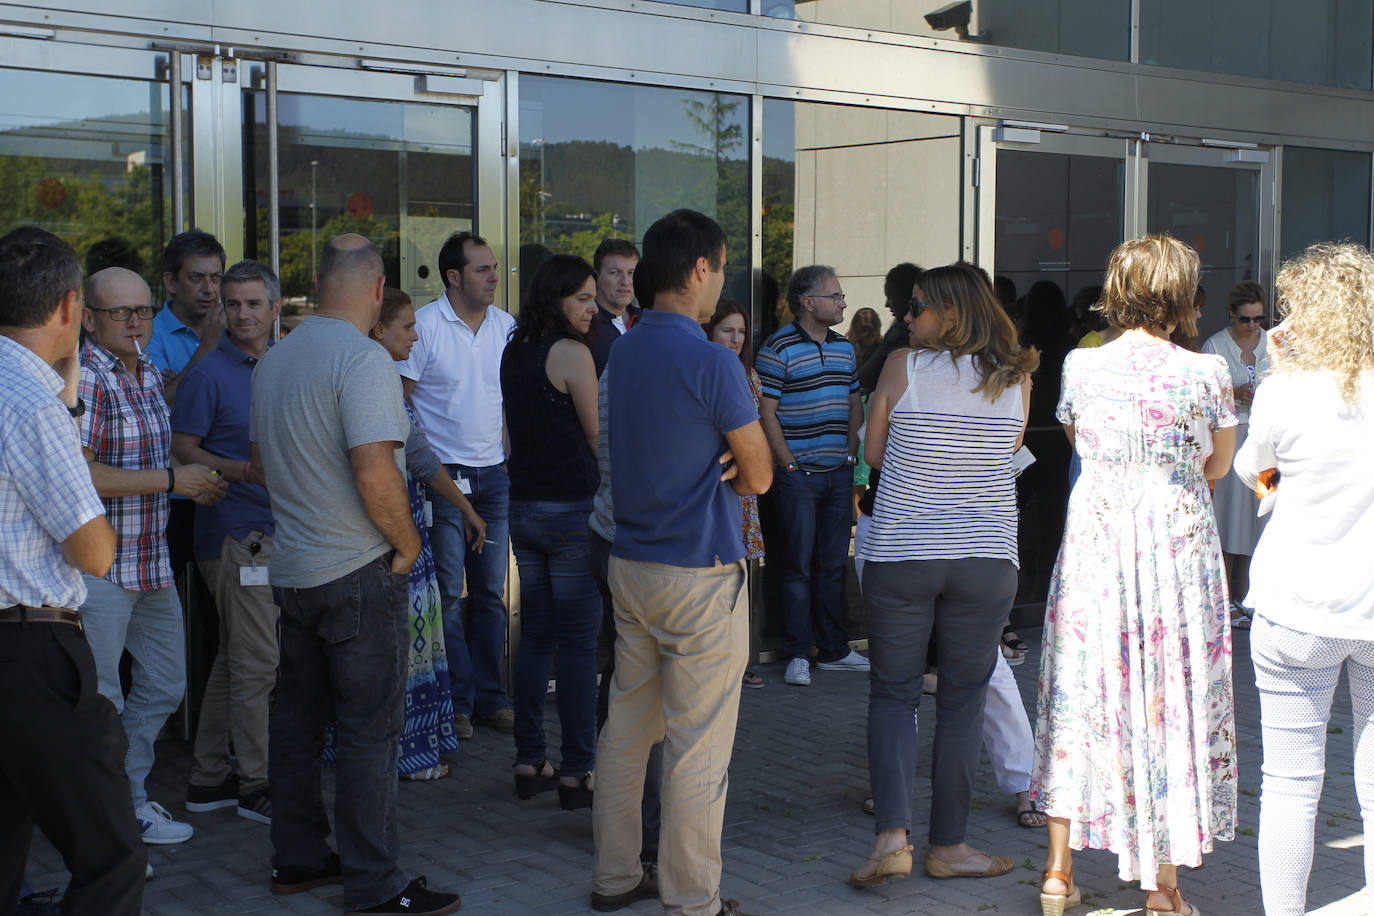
62 768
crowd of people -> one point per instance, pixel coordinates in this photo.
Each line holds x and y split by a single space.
349 495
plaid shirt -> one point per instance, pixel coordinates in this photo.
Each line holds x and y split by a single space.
127 425
46 492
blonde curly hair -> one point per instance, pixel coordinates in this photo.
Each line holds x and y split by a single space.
1327 296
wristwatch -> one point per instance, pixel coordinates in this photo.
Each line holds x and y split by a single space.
850 460
79 410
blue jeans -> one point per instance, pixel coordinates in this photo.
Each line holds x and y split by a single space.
149 625
474 655
344 653
813 512
560 613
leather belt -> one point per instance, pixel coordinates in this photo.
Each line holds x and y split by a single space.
23 614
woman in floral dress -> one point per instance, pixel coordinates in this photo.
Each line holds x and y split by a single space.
1135 732
729 327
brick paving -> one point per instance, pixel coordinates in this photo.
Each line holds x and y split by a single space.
793 828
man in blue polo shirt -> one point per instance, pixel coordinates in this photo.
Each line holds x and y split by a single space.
811 413
188 327
680 411
233 545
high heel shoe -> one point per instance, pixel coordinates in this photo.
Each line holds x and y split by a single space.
1177 907
571 798
1056 904
895 864
544 778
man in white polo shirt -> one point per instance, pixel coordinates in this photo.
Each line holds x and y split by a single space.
453 378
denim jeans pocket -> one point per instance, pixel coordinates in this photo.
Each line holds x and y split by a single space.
340 607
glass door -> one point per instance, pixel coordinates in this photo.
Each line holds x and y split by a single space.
1052 207
1211 198
390 156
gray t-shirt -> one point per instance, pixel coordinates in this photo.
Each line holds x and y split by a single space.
323 390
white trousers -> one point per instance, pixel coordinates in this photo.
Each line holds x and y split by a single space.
1007 734
1296 674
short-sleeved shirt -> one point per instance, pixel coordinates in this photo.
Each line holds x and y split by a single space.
127 425
457 377
812 383
46 492
325 389
173 343
213 403
673 395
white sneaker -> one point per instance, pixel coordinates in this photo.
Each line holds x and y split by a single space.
851 662
150 871
798 673
158 827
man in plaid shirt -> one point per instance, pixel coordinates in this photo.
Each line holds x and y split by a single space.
126 437
63 763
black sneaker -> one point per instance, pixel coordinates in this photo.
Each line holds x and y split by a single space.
200 799
646 889
415 900
293 880
256 806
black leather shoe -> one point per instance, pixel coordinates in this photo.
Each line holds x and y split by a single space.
291 880
647 889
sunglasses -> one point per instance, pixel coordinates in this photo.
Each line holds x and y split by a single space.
1259 320
916 306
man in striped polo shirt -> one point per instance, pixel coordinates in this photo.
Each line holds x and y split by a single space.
811 413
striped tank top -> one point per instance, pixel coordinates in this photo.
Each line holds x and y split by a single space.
947 490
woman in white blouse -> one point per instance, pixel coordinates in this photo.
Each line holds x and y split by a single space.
1313 581
1242 345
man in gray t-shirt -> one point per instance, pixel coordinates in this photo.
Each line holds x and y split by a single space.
327 428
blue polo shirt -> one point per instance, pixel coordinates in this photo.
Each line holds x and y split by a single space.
812 383
673 395
213 403
173 343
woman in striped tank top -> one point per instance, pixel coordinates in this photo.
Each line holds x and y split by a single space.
940 552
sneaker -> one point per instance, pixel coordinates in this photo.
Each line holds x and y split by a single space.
646 889
503 720
798 673
851 662
256 806
200 799
158 828
462 727
293 880
415 900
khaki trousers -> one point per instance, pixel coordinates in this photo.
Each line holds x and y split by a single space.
244 673
681 648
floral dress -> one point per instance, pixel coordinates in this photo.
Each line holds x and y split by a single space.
1135 725
753 531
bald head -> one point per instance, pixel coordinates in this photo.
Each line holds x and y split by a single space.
113 296
351 280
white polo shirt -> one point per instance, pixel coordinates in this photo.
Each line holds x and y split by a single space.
457 377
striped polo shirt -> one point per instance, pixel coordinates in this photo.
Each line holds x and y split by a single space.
948 488
812 383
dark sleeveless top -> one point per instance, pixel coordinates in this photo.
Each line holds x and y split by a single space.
549 455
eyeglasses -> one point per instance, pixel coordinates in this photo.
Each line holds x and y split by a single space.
916 306
1258 319
838 297
122 312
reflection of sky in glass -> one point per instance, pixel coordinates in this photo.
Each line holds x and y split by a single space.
33 98
736 6
640 117
419 126
779 130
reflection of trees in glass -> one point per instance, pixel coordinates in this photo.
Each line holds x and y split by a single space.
71 199
779 217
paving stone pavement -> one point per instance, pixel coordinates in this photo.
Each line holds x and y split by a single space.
793 827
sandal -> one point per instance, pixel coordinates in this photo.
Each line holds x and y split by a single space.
1056 904
428 774
997 865
1027 815
575 797
544 778
752 678
895 864
1014 648
1175 908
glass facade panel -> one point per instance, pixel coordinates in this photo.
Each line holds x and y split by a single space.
1086 28
1058 217
732 6
1216 210
1325 198
1326 42
601 160
399 173
86 159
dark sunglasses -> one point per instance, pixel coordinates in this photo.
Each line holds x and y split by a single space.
1259 320
916 306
